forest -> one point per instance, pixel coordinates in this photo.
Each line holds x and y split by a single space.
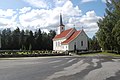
26 40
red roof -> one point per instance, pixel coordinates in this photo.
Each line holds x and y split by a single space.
63 34
72 37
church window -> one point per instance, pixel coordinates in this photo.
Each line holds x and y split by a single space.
63 47
60 43
81 43
56 44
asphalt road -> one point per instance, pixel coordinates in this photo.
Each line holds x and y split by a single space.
60 68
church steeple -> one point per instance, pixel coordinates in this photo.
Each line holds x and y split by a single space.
61 23
61 27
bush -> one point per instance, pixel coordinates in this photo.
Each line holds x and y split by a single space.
89 52
36 53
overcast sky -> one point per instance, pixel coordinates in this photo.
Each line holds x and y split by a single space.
44 14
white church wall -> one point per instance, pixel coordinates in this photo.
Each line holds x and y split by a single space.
65 47
58 30
57 45
81 37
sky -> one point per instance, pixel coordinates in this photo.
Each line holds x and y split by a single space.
44 14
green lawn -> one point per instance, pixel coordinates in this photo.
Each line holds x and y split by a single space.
110 54
101 54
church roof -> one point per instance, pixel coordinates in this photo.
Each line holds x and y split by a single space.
63 34
72 37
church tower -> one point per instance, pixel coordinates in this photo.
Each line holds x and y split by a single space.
61 27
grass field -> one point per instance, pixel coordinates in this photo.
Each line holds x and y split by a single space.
101 54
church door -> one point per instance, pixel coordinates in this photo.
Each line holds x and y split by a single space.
75 46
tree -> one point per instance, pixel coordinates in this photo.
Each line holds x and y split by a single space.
6 39
39 40
15 39
107 26
93 44
22 40
116 32
30 41
44 41
30 47
51 35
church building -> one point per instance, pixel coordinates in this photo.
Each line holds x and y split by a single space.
70 39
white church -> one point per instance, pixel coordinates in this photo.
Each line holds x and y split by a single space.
70 39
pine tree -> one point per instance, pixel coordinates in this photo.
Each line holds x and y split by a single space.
108 26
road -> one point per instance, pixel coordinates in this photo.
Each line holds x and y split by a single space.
60 68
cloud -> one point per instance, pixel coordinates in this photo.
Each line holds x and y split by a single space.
105 1
7 13
8 23
8 18
89 20
89 17
48 19
59 2
25 9
37 3
85 1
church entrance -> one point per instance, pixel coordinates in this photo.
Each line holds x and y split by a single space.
75 46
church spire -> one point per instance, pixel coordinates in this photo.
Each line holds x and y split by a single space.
61 23
61 27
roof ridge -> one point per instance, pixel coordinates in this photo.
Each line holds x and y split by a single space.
63 34
77 34
72 35
70 31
